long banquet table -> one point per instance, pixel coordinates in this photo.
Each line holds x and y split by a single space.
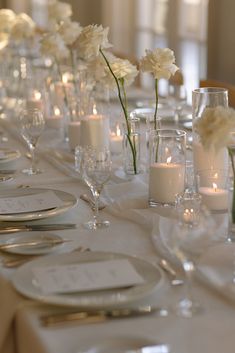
130 233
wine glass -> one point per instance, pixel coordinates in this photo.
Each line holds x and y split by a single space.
191 234
31 124
177 99
95 170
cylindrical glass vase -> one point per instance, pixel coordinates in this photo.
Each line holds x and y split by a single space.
167 166
131 153
203 98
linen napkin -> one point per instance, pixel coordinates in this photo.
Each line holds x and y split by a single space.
129 200
216 268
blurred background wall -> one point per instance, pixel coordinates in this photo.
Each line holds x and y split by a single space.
201 32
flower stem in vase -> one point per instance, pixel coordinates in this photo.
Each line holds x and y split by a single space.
123 100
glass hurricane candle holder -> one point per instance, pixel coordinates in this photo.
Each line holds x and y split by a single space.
167 166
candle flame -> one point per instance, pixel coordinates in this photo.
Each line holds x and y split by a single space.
168 160
95 112
216 176
118 130
37 95
214 186
65 77
56 111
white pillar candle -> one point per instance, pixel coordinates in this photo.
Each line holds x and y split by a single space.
166 180
33 103
94 131
215 199
74 134
55 122
209 159
116 141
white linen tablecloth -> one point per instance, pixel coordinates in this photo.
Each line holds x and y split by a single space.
130 232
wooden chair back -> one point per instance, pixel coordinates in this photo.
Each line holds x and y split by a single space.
215 83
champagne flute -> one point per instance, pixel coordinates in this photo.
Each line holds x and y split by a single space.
32 124
96 170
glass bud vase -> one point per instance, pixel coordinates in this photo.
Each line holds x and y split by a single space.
131 153
131 146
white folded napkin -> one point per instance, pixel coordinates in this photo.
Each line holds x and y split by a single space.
216 268
129 200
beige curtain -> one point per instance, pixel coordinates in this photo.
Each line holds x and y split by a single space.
221 40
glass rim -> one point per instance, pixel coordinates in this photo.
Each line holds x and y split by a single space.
168 132
210 90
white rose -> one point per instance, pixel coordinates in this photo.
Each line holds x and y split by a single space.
123 69
69 31
53 45
91 39
160 62
214 127
59 11
23 28
7 18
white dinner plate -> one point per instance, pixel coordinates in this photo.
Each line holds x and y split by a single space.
68 201
8 155
39 249
24 281
166 113
122 344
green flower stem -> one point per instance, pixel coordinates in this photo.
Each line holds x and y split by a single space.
156 103
230 151
63 87
124 108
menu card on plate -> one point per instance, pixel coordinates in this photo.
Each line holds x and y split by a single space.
29 203
87 276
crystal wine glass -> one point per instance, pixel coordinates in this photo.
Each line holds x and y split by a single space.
96 170
31 124
177 99
189 237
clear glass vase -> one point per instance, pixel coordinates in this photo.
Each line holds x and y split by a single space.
203 98
131 153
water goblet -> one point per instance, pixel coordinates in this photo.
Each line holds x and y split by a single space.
190 236
32 123
177 99
96 171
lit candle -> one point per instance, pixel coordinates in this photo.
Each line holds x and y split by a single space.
214 198
94 131
35 102
55 121
74 134
166 180
116 141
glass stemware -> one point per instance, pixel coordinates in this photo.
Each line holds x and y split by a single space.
177 99
32 124
96 170
193 232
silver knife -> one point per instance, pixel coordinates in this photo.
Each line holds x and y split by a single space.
97 316
34 227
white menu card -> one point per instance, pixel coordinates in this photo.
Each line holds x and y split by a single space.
87 276
29 203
